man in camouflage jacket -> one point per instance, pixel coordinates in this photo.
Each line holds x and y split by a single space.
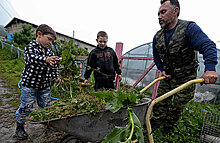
175 49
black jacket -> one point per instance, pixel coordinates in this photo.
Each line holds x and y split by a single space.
104 59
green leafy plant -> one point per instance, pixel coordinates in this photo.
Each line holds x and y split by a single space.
189 126
132 132
115 100
56 48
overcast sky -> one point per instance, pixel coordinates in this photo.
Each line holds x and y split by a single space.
132 22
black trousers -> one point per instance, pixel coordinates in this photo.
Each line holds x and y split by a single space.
104 83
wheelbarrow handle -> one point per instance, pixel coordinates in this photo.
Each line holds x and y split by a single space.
152 83
164 96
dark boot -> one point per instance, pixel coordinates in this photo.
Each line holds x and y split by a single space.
20 132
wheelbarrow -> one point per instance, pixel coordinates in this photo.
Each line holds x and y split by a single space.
95 128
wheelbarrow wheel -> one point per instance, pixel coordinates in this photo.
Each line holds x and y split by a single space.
70 139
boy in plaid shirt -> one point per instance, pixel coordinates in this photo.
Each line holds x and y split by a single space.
40 68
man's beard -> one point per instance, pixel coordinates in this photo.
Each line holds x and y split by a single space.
165 25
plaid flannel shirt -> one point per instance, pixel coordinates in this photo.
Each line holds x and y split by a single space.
38 74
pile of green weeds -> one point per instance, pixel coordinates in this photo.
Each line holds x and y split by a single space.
73 99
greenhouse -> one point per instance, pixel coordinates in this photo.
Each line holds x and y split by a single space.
139 59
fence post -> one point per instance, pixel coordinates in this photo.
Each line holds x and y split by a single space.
12 47
118 51
18 52
81 68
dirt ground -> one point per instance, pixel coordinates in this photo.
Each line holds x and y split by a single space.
38 133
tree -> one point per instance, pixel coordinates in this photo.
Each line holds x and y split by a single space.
25 36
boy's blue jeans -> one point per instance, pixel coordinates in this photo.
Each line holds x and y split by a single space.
28 99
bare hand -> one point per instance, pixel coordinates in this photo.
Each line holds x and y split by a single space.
119 77
210 77
86 81
51 60
165 75
56 58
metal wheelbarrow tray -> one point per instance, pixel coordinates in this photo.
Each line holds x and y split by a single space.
95 128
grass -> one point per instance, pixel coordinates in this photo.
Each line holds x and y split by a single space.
11 69
10 72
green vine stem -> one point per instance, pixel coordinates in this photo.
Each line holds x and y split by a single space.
71 93
97 70
132 125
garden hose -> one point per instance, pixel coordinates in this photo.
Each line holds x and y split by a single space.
152 83
166 95
19 86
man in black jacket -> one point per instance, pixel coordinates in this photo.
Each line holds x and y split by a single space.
103 60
